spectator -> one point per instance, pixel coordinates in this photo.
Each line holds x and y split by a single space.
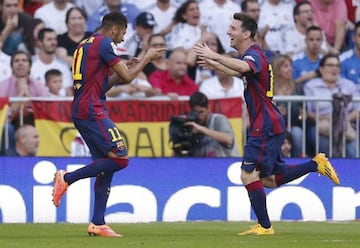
284 86
163 11
350 60
137 42
53 14
20 84
187 30
251 8
331 16
26 142
46 59
175 81
155 41
13 22
127 9
287 146
30 6
30 36
275 18
293 39
328 84
75 20
5 71
305 64
53 80
88 6
215 131
212 11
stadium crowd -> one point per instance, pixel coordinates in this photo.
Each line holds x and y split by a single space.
314 47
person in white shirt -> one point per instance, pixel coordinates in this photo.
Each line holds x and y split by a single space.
293 39
275 17
163 12
46 59
217 15
53 14
222 86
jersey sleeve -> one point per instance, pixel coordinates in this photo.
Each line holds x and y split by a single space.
108 52
253 59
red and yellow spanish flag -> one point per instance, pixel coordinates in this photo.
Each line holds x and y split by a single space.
143 123
4 106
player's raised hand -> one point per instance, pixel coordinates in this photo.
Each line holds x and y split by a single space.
154 53
204 51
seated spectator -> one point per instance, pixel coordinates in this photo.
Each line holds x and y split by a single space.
350 60
285 86
30 36
26 142
174 81
331 16
222 85
155 41
13 23
127 9
46 59
53 80
319 113
293 39
187 30
163 11
287 146
305 64
136 44
20 84
53 14
75 20
216 136
275 18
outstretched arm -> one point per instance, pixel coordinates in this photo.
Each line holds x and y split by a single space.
234 64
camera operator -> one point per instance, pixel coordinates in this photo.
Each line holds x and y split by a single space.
216 137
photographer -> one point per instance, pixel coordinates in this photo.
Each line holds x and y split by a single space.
213 133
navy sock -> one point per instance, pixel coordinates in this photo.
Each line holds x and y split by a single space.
102 191
257 198
94 169
293 172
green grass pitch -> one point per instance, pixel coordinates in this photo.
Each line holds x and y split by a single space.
183 235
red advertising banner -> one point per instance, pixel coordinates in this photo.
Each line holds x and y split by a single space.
143 123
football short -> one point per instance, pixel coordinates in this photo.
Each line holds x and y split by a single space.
264 155
101 136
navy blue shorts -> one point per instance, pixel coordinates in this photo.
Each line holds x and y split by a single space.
264 155
101 136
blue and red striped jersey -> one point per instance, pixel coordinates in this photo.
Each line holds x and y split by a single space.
92 62
265 118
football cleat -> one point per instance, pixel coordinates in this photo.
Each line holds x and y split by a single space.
258 230
325 168
60 187
101 230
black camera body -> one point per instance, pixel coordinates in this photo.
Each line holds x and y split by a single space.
182 138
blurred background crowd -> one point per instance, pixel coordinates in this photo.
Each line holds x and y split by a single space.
313 46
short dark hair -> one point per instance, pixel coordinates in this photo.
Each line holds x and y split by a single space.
244 4
326 57
296 9
43 31
198 99
52 72
114 19
313 28
20 52
248 23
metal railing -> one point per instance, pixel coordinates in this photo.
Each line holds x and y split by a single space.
302 100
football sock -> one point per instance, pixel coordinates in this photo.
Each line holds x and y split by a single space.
293 172
102 191
257 198
94 169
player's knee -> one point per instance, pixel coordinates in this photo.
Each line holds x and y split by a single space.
122 162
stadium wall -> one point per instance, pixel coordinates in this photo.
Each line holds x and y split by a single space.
172 189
